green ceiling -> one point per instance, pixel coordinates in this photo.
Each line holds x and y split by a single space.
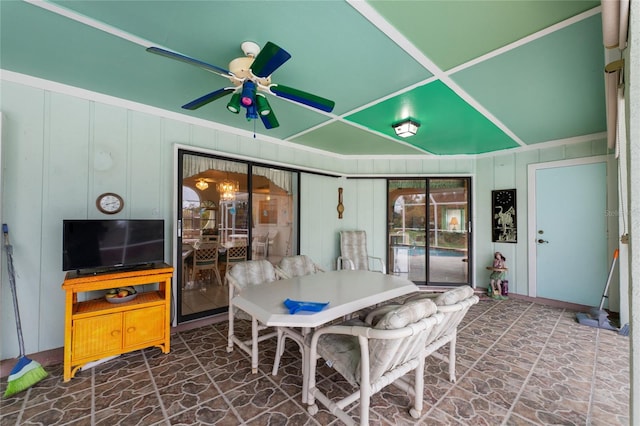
437 61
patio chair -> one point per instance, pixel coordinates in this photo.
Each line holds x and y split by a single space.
235 254
297 266
372 356
290 267
454 305
271 239
205 258
353 253
241 275
260 244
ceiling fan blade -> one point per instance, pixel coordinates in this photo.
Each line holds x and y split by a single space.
302 97
209 97
268 60
270 121
178 57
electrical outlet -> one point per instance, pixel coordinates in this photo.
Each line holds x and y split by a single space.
624 239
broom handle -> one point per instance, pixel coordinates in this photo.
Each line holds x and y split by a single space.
606 288
12 285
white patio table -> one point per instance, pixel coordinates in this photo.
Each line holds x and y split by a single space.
347 291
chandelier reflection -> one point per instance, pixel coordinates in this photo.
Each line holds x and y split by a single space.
201 184
227 189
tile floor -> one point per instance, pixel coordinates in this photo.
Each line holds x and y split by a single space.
519 363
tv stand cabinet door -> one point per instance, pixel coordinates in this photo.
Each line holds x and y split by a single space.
144 327
97 337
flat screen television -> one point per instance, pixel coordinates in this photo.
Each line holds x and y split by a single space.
90 245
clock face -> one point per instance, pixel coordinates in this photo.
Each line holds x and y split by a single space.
503 197
109 203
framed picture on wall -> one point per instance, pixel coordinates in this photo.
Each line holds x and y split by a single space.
504 218
268 212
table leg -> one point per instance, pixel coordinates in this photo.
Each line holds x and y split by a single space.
254 345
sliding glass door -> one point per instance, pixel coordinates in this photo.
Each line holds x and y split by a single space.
429 230
228 208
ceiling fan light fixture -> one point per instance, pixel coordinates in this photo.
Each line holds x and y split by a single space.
234 103
263 104
248 93
407 127
202 185
252 112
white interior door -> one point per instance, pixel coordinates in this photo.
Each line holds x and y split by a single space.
570 226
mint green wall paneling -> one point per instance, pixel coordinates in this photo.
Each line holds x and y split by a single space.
504 171
22 210
386 166
414 166
364 166
599 147
585 149
146 184
65 188
484 182
432 165
371 214
554 153
519 267
250 146
174 132
228 142
267 151
204 137
319 218
109 125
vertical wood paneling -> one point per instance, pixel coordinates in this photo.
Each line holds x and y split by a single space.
110 136
318 218
65 189
145 171
22 211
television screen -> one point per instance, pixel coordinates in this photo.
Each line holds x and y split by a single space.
97 244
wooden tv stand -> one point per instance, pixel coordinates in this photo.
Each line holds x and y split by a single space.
96 329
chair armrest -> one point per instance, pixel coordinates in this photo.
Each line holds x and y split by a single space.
280 273
340 263
383 268
375 314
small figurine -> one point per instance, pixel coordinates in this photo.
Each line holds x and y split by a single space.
499 271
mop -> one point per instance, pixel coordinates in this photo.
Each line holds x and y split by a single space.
26 372
598 317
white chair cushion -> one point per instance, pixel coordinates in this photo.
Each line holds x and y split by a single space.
342 352
297 266
454 296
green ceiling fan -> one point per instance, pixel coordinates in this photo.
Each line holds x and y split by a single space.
251 81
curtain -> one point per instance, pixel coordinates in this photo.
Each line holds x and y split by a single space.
194 164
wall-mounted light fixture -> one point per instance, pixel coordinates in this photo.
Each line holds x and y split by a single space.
405 128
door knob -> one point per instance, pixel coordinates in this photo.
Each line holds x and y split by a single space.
541 241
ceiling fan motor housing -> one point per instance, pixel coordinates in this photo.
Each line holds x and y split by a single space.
241 68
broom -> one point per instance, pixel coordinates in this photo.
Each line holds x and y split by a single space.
27 372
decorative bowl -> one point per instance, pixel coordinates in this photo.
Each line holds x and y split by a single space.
121 299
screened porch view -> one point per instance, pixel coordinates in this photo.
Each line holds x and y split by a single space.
429 231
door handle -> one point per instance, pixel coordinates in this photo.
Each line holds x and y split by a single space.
541 241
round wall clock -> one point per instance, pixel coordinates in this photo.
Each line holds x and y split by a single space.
109 203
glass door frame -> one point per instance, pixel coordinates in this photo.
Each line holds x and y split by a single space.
393 241
181 151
